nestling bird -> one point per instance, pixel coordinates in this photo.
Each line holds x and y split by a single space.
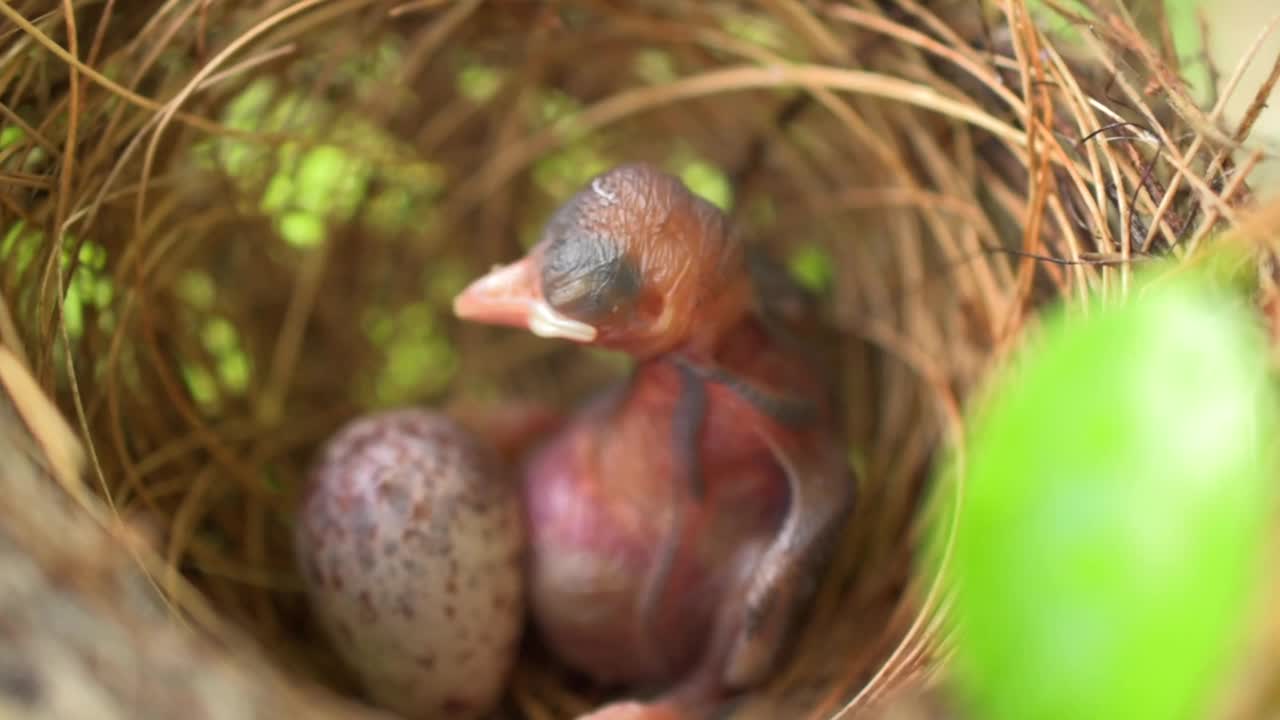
677 522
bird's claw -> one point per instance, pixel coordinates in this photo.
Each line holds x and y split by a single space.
636 710
774 596
783 580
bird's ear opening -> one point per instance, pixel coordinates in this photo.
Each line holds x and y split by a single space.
603 291
652 313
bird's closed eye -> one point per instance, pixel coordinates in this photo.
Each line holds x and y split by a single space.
586 274
595 291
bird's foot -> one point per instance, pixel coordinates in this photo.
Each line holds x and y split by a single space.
775 597
637 710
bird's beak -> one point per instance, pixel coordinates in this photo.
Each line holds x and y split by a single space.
512 296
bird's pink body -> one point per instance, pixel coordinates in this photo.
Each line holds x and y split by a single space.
677 522
605 496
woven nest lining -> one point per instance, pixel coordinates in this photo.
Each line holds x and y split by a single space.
236 226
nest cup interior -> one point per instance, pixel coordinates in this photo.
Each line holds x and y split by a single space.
240 277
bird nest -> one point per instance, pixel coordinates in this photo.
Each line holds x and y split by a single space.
228 228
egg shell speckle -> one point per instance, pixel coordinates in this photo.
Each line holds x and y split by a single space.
410 541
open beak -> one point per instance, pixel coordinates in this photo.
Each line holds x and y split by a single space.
511 296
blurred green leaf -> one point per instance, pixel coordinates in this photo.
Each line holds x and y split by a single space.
11 135
10 240
330 181
555 105
479 83
708 182
196 289
562 173
418 358
305 188
371 71
219 336
1189 42
417 319
73 310
92 255
416 366
755 29
390 210
19 246
425 176
87 285
302 229
276 198
246 110
1184 27
233 370
655 66
103 292
378 325
811 266
1117 490
202 386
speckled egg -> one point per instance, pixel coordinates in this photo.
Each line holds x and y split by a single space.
410 541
